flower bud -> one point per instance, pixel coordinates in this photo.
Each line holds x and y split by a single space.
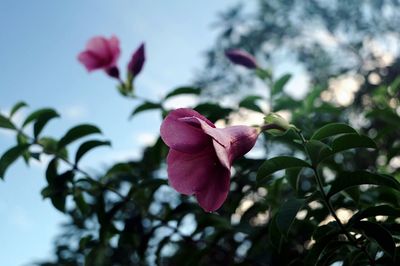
276 125
240 57
137 61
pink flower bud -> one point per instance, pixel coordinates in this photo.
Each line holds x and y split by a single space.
100 53
201 155
240 57
137 61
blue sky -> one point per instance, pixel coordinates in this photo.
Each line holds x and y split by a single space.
39 43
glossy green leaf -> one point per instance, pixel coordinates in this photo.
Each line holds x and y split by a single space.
331 130
16 107
351 141
87 146
6 123
145 107
76 133
280 84
380 234
318 151
10 156
350 179
42 120
183 90
37 115
279 163
250 103
287 213
373 211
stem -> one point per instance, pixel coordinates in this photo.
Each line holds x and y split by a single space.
330 207
74 166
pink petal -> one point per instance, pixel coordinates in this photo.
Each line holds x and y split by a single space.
183 136
229 143
214 195
113 44
242 140
89 60
200 174
99 46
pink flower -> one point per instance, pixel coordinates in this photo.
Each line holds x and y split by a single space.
101 53
137 61
240 57
201 156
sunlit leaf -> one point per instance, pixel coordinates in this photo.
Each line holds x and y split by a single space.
351 141
250 103
380 234
318 151
6 123
350 179
42 120
373 211
287 213
87 146
279 163
183 90
145 107
76 133
16 107
331 130
10 156
280 84
35 115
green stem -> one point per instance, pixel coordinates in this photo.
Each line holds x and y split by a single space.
329 205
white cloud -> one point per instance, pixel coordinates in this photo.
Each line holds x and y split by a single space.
75 112
19 217
145 138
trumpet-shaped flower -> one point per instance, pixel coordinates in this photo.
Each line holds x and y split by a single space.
201 155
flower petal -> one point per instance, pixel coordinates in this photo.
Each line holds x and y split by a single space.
182 135
214 195
192 173
242 140
89 60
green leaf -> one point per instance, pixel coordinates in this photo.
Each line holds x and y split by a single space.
87 146
183 90
274 234
23 140
42 120
145 107
263 73
350 179
51 171
80 202
279 163
350 141
77 132
250 103
318 151
6 123
37 114
16 107
287 213
280 84
380 234
10 156
385 210
331 130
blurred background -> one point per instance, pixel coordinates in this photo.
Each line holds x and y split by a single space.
343 57
40 42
